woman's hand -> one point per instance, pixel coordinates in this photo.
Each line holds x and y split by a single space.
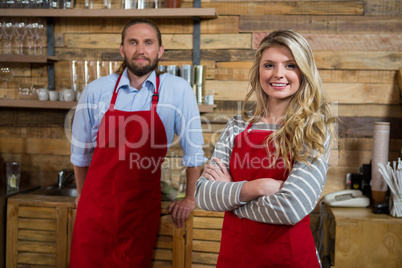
218 172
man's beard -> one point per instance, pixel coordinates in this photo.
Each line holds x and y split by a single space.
141 70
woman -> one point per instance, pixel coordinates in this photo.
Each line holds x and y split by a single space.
269 165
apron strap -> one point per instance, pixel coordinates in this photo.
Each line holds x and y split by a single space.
248 127
155 96
114 97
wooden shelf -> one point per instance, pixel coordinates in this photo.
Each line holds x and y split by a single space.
27 58
205 108
38 104
204 13
195 13
66 105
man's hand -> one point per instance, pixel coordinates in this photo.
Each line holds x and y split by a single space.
181 209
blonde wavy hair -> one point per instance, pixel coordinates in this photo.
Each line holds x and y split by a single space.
308 117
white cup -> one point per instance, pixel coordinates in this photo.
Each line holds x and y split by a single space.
69 94
43 94
209 99
54 95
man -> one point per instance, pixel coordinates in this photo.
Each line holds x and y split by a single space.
120 138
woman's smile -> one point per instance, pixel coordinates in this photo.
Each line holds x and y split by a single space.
278 86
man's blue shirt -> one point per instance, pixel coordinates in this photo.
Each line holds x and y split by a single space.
177 108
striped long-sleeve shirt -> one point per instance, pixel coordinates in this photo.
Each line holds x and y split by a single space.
295 200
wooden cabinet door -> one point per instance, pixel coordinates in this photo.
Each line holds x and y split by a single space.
206 238
36 235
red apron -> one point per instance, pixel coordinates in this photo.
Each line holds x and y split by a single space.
247 243
118 214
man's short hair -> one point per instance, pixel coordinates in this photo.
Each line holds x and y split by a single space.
142 21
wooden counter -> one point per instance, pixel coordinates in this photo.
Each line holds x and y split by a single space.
367 240
37 225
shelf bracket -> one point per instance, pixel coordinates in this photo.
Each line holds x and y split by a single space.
50 52
196 35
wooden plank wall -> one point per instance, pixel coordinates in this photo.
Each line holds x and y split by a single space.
357 46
